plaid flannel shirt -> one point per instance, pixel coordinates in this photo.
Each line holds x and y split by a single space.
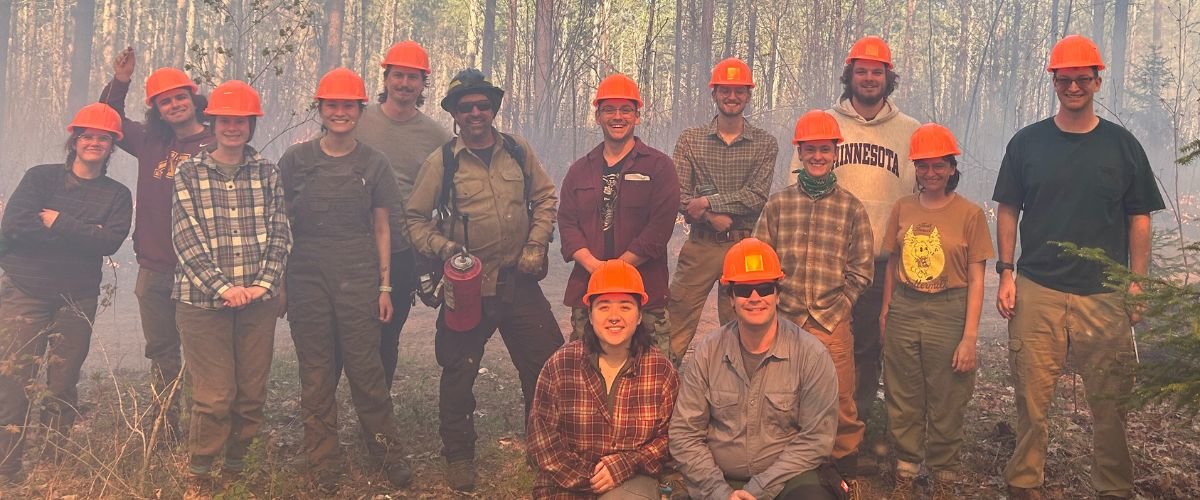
228 232
825 247
742 172
572 428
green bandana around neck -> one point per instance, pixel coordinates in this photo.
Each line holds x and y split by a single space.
816 187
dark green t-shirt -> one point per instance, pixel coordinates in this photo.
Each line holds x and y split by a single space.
1077 188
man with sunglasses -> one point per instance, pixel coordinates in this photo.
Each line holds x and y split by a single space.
823 235
499 183
757 408
1078 178
619 202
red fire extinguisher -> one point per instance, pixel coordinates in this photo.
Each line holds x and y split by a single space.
463 290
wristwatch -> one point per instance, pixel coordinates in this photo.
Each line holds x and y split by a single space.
1003 266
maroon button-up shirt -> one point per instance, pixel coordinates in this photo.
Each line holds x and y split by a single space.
646 204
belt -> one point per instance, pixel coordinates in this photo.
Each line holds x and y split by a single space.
730 236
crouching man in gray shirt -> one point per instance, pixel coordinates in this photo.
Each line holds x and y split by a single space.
757 407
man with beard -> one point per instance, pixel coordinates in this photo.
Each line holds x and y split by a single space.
173 132
397 128
1078 178
619 202
497 181
725 170
872 164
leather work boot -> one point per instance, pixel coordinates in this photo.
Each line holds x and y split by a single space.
905 488
460 475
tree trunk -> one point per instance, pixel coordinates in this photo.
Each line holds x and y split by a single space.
677 67
179 43
1099 9
1120 37
729 17
510 79
1156 9
331 46
773 66
1053 40
9 17
704 39
489 36
84 16
751 34
646 73
543 53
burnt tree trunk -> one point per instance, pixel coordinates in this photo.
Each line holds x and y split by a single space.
84 19
331 45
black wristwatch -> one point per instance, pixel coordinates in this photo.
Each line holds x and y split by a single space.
1003 266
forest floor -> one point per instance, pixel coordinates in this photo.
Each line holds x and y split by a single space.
105 456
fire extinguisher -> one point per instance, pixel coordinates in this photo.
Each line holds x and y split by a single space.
463 290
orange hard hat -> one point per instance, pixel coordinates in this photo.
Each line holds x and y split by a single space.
817 125
99 116
408 54
871 48
932 141
164 79
1074 51
617 86
751 260
731 71
234 98
616 276
341 83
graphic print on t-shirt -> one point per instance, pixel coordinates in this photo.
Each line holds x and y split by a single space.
166 168
923 257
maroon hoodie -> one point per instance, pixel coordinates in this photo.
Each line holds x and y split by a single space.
157 158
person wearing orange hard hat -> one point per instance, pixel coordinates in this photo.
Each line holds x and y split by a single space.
937 243
758 399
227 285
725 170
58 225
397 127
615 386
873 165
340 195
823 232
174 130
619 202
1078 178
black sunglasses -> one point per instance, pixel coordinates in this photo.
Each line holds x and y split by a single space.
466 107
763 289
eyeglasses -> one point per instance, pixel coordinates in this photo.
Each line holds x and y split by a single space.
482 106
763 289
100 138
623 111
1082 82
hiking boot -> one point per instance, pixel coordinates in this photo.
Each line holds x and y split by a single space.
327 481
200 487
905 488
944 489
460 475
398 473
1015 493
855 489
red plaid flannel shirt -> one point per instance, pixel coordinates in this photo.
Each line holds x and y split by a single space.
571 428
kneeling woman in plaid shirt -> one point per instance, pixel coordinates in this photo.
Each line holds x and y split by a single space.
600 414
232 238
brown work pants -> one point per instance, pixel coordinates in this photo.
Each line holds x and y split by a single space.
1092 333
698 268
29 326
840 343
228 353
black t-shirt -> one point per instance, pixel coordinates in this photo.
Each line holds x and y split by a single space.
485 155
1077 188
609 179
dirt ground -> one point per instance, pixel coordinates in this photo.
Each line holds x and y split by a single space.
106 456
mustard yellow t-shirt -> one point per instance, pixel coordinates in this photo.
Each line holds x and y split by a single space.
937 245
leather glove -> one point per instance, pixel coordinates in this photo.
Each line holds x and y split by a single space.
448 250
533 260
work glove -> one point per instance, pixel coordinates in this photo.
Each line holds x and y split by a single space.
533 260
449 249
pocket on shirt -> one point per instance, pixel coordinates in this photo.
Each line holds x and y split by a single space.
725 409
781 413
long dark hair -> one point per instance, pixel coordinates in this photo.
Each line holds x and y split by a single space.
70 147
160 128
638 344
893 81
420 98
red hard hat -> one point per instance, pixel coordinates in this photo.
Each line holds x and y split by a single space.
871 48
616 276
164 79
99 116
731 71
751 260
234 98
1074 51
817 125
932 141
341 83
617 86
408 54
